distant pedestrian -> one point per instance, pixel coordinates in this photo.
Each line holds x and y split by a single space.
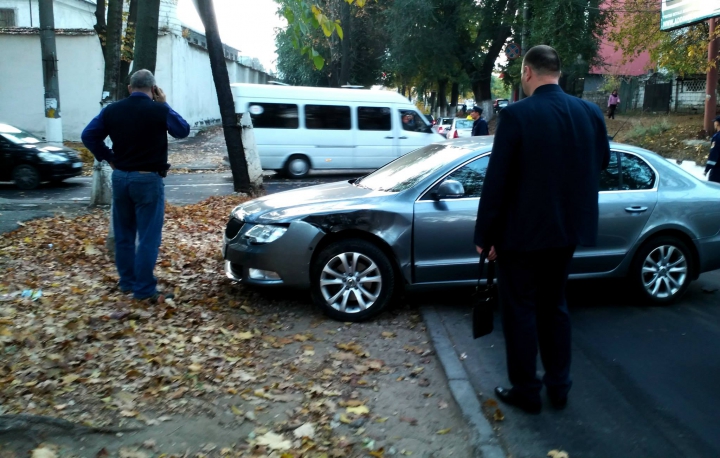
462 112
712 166
138 127
539 201
613 102
480 126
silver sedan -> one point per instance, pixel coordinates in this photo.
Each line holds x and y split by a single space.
355 244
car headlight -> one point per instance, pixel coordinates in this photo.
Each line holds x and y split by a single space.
263 233
52 157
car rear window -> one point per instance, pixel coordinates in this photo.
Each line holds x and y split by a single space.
464 124
327 117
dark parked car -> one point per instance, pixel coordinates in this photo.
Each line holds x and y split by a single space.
410 224
499 104
28 160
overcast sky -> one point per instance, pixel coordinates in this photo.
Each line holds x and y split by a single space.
248 25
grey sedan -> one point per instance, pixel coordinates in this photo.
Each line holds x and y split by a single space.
355 244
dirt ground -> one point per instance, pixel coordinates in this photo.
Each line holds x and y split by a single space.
221 371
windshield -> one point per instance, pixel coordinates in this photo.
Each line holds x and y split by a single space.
16 135
464 124
410 169
446 121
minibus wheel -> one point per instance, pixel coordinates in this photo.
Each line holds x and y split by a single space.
297 166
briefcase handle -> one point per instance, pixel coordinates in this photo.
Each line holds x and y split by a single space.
490 271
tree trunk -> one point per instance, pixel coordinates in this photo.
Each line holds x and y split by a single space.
146 35
128 49
433 102
454 95
345 54
112 51
231 128
100 25
442 96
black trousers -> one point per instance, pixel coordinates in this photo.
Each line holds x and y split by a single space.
611 111
531 288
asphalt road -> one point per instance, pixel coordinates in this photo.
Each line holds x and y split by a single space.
180 189
645 378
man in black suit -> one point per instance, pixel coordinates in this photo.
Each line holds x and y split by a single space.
539 201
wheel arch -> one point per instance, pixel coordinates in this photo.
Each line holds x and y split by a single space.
346 234
680 235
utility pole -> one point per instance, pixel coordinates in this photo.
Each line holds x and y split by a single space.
712 79
53 122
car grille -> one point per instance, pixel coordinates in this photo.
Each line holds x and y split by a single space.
233 227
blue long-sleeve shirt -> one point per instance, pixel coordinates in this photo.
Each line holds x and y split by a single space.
93 136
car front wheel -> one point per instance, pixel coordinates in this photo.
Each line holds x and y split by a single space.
352 280
26 177
662 269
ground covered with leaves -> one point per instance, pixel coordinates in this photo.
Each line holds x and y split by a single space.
219 371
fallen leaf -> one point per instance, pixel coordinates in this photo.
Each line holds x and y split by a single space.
127 452
359 410
195 367
237 411
412 421
557 454
382 420
442 405
274 441
306 430
444 431
244 335
43 452
498 415
128 413
388 335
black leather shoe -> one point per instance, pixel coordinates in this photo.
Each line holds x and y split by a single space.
510 397
559 402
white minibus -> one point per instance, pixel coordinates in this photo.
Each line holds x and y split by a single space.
298 129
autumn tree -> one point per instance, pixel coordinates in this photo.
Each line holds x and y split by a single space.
636 29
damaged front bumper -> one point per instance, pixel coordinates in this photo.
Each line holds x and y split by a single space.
282 262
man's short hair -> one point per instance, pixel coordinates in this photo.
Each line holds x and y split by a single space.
477 110
544 60
142 79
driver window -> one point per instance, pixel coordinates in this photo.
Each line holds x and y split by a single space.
471 176
412 121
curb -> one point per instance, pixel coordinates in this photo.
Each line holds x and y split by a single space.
485 443
40 205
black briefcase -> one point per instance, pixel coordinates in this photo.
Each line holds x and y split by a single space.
484 301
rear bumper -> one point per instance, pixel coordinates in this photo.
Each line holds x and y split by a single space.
709 252
289 256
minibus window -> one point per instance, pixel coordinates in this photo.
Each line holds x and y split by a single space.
273 115
374 118
328 117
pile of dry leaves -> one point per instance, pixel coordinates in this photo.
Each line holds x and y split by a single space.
284 380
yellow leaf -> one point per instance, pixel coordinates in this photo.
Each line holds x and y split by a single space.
244 335
237 411
68 379
359 410
378 453
498 415
128 413
444 431
382 420
388 335
195 367
345 419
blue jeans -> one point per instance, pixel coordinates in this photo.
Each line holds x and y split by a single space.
138 213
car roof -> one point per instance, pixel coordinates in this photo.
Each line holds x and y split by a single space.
306 93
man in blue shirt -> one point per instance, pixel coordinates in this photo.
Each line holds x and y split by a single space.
138 127
480 126
712 163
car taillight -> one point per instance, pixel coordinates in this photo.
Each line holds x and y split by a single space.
440 129
455 135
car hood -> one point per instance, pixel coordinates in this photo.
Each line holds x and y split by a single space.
44 147
297 204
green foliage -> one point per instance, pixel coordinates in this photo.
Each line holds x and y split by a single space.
499 89
682 51
640 131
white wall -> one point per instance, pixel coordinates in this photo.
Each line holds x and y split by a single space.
69 14
80 71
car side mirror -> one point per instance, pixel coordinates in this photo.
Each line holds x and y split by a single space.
449 189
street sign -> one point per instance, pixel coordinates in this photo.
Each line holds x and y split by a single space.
512 51
681 13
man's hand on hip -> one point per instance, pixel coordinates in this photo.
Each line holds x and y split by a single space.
492 255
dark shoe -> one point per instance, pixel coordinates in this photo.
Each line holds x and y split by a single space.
155 298
559 402
511 397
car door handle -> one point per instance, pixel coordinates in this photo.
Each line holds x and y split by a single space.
389 138
635 209
402 138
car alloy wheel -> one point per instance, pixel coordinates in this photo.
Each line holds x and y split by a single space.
297 167
353 280
663 266
26 177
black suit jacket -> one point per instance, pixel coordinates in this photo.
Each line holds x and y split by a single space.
541 186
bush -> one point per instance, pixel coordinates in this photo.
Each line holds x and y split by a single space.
652 130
